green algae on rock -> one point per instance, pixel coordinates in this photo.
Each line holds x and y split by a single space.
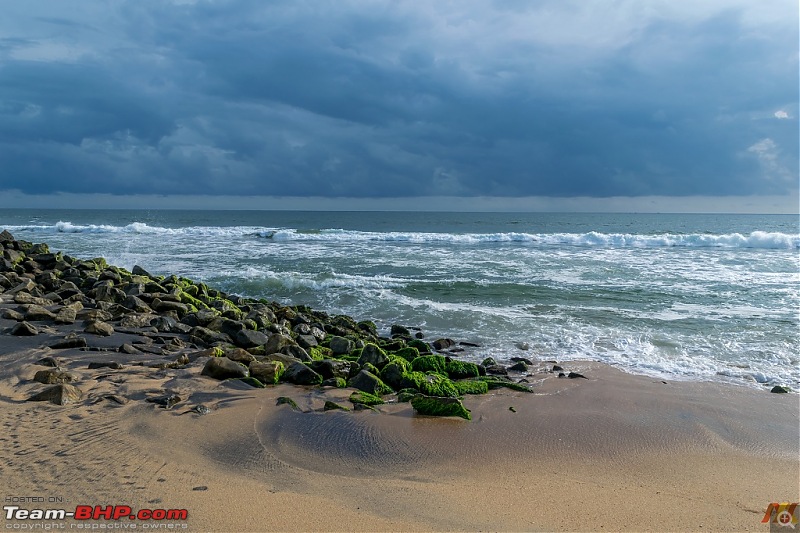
436 406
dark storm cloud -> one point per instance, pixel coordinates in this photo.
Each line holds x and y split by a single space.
377 99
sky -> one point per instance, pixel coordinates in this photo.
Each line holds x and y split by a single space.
531 104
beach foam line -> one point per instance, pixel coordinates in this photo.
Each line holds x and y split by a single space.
755 239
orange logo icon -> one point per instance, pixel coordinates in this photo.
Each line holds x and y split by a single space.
782 514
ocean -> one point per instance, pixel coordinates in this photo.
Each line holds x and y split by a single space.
679 297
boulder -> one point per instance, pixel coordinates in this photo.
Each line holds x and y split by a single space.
98 327
224 368
247 338
429 363
341 346
374 355
53 376
368 382
268 372
69 342
300 374
332 368
61 394
435 406
24 329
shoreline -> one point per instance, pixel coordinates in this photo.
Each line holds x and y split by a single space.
614 451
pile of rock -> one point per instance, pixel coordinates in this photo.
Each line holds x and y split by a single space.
257 341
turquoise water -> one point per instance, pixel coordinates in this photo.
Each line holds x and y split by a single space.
707 297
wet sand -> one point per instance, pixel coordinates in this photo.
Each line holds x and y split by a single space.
612 452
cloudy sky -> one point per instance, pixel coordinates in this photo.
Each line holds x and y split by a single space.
510 99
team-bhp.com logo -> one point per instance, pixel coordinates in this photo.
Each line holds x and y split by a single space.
781 516
97 512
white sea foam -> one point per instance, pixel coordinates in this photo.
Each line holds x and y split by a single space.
755 239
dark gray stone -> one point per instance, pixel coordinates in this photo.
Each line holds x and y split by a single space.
300 374
224 368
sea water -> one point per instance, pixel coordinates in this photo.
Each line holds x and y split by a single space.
703 297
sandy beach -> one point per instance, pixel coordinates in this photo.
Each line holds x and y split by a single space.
612 452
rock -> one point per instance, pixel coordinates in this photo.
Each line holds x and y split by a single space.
200 409
69 342
27 286
369 382
296 352
338 383
498 370
5 236
129 349
166 401
557 368
365 398
283 400
519 366
61 394
471 387
53 376
139 271
522 360
333 406
489 361
163 306
780 389
341 346
240 356
135 320
575 375
24 329
10 314
105 364
247 338
47 361
223 368
461 369
374 355
66 315
524 346
277 343
435 406
429 363
136 304
307 341
429 384
100 328
331 368
400 331
107 293
300 374
253 382
443 344
269 373
207 336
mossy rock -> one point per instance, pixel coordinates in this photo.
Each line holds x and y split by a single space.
333 406
421 346
253 382
369 327
461 369
429 384
368 382
284 400
190 300
405 395
319 353
494 382
339 383
365 398
392 373
373 354
429 363
409 353
471 387
434 406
